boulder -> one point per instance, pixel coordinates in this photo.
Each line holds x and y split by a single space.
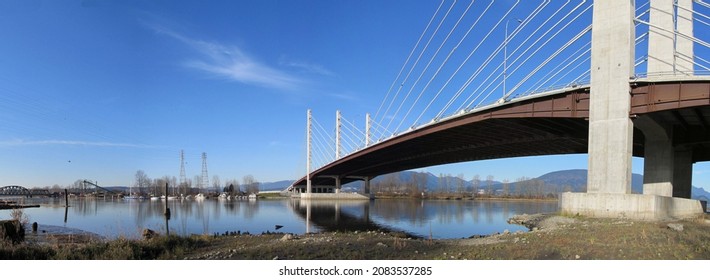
12 230
149 234
287 237
676 227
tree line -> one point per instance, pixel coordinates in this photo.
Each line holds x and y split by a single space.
416 185
144 185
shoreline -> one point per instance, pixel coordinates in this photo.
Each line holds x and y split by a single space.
551 236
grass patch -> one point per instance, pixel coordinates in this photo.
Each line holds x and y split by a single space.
162 247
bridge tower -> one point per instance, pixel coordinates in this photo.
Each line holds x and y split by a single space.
667 169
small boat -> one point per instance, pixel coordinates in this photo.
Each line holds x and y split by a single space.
200 196
153 198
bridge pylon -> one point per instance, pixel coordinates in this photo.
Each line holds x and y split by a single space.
668 167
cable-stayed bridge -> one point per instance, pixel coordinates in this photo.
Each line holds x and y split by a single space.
490 79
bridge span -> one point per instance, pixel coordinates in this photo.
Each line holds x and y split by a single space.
663 117
549 123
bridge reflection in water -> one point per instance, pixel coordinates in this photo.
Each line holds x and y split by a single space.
337 215
416 218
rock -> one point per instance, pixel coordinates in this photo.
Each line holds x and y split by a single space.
381 244
287 237
506 232
676 227
12 230
34 227
149 234
276 258
577 256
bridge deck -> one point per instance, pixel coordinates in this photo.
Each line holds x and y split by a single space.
543 124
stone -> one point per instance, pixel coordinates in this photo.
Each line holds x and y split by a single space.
287 237
381 244
676 227
506 232
12 230
149 234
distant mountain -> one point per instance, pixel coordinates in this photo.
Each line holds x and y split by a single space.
576 179
275 186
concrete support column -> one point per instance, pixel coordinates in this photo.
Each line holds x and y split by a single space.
367 185
682 173
610 129
661 43
337 184
658 157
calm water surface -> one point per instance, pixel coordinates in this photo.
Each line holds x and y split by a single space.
127 218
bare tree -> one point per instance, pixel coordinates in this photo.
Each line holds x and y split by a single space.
197 180
476 184
142 181
250 184
489 184
419 182
460 184
216 183
506 187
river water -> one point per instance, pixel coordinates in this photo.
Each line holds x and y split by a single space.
127 218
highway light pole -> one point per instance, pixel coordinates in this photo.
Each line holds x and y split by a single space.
505 55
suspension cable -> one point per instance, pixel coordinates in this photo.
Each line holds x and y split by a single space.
426 67
408 57
417 61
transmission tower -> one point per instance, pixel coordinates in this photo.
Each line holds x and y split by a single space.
205 179
183 180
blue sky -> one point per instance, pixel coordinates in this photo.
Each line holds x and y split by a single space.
100 89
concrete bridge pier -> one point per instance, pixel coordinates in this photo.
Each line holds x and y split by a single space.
611 129
668 169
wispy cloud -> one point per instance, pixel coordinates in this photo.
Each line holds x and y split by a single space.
307 67
232 63
70 143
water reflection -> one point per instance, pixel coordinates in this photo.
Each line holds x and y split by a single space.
333 215
127 218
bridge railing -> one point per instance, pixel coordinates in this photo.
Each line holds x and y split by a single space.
656 75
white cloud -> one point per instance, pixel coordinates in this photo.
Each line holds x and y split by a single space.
308 67
232 63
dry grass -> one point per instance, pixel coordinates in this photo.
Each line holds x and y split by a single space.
574 238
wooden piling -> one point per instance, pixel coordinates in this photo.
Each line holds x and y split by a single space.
167 212
66 198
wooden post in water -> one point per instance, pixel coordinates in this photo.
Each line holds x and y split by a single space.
66 198
167 211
